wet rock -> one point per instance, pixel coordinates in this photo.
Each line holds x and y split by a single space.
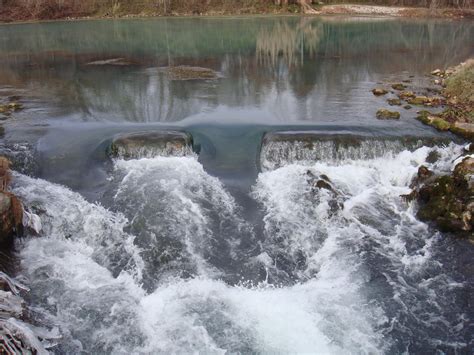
405 95
151 144
437 122
398 87
407 107
432 157
418 100
11 209
464 171
384 114
11 217
379 91
448 200
424 173
394 102
2 131
190 73
322 182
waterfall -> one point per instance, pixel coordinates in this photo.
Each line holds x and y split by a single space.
341 266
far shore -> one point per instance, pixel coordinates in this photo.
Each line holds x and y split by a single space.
326 10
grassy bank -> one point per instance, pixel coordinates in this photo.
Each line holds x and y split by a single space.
27 10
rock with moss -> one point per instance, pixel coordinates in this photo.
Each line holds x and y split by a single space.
384 114
394 102
432 120
379 91
405 95
418 100
448 200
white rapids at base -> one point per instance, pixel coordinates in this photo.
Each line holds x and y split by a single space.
90 274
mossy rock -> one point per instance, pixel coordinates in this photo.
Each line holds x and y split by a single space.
418 100
440 124
398 86
405 95
394 102
379 91
384 114
437 122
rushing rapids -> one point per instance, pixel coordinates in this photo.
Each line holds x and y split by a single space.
172 266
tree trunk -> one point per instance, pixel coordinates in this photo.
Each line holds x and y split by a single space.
305 7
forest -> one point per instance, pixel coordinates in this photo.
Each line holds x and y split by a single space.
17 10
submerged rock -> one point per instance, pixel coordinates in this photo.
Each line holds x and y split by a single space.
379 91
184 72
7 109
151 144
398 87
394 102
113 62
384 114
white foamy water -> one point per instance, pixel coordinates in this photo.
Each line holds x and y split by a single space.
151 278
378 258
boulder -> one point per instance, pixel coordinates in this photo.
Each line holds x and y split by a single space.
448 200
384 114
379 91
151 144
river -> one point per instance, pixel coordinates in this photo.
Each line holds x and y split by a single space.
230 248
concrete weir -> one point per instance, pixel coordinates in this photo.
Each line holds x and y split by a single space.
151 144
288 147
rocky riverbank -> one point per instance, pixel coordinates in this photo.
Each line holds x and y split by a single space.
453 91
447 200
